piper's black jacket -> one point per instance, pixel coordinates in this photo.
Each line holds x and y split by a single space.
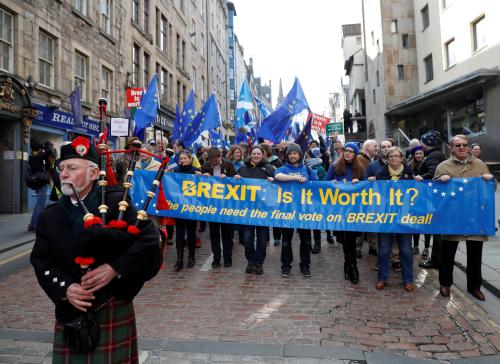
55 250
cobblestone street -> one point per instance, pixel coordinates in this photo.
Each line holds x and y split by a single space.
227 305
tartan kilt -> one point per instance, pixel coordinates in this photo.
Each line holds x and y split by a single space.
117 338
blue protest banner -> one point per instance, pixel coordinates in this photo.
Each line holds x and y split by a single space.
461 206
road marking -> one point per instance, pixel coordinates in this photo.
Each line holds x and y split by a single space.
208 264
17 256
143 356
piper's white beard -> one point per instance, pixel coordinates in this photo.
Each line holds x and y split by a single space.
68 191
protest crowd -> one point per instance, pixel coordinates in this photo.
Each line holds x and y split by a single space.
370 160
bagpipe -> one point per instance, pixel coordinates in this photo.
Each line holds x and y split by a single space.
101 240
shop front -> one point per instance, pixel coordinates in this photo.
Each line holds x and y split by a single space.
16 114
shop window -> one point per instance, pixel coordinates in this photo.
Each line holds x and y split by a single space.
469 118
6 41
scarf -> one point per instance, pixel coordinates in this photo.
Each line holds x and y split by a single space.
395 173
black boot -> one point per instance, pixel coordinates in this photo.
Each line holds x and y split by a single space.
346 270
179 264
191 262
316 248
353 273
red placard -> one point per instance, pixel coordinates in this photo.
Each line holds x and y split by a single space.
319 123
133 95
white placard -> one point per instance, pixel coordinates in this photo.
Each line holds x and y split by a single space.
8 154
119 127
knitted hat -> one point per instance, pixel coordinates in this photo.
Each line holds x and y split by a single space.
294 148
416 149
352 146
431 138
80 148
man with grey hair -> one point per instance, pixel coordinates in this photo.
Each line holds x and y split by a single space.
461 165
103 294
368 153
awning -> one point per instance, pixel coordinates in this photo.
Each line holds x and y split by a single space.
444 92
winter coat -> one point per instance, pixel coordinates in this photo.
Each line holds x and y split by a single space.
433 157
384 174
261 171
226 168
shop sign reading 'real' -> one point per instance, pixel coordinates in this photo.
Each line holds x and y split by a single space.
133 95
64 120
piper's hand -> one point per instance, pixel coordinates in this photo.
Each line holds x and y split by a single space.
98 278
371 178
418 178
355 180
301 179
79 297
237 176
487 177
444 178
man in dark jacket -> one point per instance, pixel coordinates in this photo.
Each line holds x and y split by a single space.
218 167
108 288
433 150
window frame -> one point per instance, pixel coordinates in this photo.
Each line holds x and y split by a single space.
106 88
136 64
394 26
447 53
475 46
405 36
106 16
401 72
7 43
50 63
424 12
81 6
427 69
81 80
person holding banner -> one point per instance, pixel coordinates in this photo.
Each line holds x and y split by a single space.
220 168
462 165
185 226
255 167
395 170
348 168
295 170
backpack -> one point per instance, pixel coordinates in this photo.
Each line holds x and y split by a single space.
35 180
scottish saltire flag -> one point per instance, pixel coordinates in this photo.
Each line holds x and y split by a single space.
75 100
207 118
177 123
216 140
263 109
146 113
244 106
188 114
293 110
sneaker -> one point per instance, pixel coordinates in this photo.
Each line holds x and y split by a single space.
277 242
250 269
216 264
425 253
228 264
396 266
306 272
372 251
416 250
285 272
258 269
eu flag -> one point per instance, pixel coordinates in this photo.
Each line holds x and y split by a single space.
177 123
146 113
215 139
277 124
304 136
188 114
207 118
